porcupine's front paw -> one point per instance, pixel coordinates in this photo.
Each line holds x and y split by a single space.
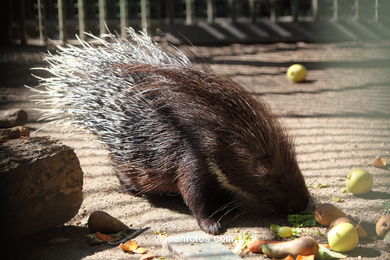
210 226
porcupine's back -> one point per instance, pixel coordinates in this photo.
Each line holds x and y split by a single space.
135 97
102 88
171 127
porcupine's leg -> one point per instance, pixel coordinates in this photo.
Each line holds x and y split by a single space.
198 187
204 197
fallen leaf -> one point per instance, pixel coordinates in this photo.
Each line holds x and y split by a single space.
132 246
289 257
140 250
306 219
274 228
336 199
318 186
105 237
241 242
129 246
380 162
160 232
325 253
385 161
148 257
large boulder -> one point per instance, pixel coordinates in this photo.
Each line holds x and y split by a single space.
40 183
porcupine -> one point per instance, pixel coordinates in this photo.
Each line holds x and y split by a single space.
171 126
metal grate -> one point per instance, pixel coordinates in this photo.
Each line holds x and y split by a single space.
38 20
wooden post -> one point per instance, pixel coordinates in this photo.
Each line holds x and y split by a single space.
314 6
376 17
82 18
22 23
5 24
232 10
273 13
252 10
336 9
124 16
170 10
159 13
145 15
189 12
42 22
61 21
357 9
210 11
295 10
102 16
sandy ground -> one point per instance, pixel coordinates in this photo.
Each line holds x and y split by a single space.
340 119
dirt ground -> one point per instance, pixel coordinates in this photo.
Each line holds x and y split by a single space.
340 119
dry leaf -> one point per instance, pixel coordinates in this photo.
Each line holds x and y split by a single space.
104 237
129 246
380 162
140 250
385 161
289 257
132 246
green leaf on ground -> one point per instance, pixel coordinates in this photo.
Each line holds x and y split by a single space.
336 199
160 232
274 228
305 219
318 186
241 242
325 254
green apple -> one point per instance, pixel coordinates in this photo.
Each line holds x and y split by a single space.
285 232
359 181
296 73
343 237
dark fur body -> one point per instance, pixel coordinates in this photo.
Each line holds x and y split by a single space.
208 139
172 127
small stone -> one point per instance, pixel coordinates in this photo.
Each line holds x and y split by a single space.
12 117
14 133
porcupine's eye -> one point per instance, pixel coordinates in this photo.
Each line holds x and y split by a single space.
278 181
